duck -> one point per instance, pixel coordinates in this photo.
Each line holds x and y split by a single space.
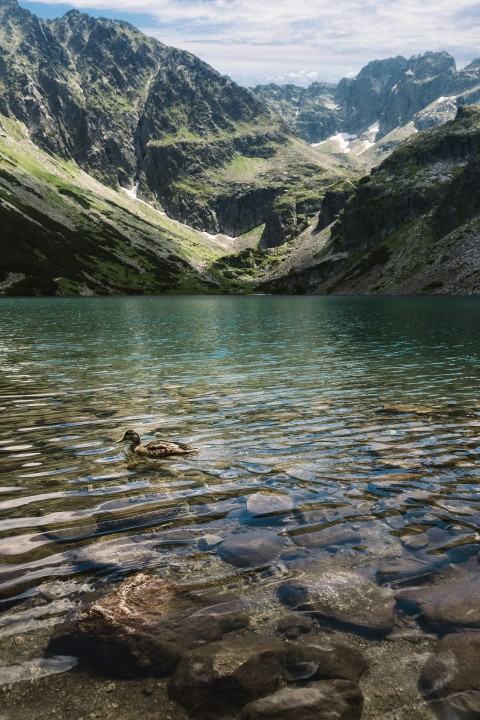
155 449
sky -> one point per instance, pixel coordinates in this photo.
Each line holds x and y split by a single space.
294 41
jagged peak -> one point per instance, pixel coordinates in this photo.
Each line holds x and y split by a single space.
439 62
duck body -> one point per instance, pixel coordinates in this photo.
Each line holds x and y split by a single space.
155 449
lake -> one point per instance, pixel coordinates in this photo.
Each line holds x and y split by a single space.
341 432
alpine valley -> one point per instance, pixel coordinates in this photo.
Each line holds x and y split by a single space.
127 166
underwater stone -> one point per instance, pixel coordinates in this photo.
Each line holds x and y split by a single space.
344 597
145 626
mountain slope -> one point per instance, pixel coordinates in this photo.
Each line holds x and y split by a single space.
65 233
136 113
411 226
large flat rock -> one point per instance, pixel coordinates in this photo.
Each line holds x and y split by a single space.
328 700
222 677
145 626
345 598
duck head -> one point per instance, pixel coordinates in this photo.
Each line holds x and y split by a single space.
132 437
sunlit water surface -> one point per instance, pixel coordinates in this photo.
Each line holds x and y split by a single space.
360 414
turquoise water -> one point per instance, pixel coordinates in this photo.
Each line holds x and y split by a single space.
362 415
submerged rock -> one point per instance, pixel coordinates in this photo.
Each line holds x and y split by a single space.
344 597
327 700
328 537
450 679
223 676
145 626
250 549
322 660
447 605
293 625
269 505
407 570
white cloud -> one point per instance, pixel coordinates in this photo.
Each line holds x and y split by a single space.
304 39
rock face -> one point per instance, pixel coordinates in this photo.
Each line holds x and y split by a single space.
224 676
425 90
450 678
330 700
145 626
345 598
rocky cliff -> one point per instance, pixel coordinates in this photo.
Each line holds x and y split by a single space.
411 226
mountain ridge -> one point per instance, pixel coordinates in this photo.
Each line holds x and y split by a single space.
390 92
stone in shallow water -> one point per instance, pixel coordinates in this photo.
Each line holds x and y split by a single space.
145 626
448 605
317 660
407 571
450 678
302 623
327 700
347 598
327 537
223 676
269 505
250 549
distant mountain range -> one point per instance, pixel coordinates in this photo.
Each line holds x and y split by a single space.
424 90
130 166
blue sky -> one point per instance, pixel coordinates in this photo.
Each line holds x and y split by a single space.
295 40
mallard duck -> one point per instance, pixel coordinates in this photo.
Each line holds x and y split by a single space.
156 448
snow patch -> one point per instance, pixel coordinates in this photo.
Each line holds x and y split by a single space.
409 73
372 132
339 139
218 237
133 192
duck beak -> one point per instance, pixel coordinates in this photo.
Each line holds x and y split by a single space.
120 440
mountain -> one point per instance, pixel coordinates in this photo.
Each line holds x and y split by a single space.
65 233
127 166
137 114
411 226
386 94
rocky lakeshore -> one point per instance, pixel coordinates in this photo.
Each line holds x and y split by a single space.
339 644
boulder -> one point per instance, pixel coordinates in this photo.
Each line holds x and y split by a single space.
145 626
328 700
223 676
250 549
345 598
